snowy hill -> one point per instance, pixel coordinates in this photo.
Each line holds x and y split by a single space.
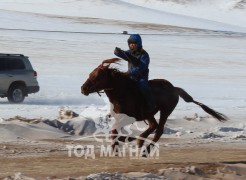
224 11
219 15
67 39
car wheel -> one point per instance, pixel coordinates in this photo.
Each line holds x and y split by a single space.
16 94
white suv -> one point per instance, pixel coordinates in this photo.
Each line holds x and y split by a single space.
17 77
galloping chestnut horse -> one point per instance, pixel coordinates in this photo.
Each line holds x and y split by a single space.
124 94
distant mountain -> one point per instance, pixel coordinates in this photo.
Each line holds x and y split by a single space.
223 15
179 1
231 12
240 5
230 4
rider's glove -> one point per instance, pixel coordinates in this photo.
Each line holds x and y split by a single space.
117 50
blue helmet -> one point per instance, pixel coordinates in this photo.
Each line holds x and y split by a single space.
135 38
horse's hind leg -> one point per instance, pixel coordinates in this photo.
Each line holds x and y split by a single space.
152 126
159 131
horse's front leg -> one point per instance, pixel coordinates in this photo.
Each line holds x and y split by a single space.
116 138
115 142
121 120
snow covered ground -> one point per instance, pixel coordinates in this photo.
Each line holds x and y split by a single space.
67 39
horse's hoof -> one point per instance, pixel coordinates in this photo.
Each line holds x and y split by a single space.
144 156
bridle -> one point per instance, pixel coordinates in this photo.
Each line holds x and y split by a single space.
93 86
101 67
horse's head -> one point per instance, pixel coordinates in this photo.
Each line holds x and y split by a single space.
98 79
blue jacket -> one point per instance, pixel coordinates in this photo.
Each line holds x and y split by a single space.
138 63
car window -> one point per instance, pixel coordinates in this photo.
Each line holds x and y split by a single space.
2 64
14 64
11 64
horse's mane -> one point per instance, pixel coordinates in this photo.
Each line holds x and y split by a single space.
115 72
110 61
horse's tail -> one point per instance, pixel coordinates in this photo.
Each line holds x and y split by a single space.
187 98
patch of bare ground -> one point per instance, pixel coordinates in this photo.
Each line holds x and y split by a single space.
50 159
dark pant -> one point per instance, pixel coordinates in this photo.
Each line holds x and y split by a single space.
147 94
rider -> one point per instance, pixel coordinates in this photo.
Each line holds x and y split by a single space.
138 67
